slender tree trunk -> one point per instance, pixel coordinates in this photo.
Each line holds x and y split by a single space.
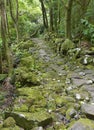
68 19
4 36
1 70
45 20
51 20
14 18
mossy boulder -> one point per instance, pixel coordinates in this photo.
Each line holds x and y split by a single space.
66 45
25 76
11 128
25 45
64 101
9 122
30 120
29 99
27 62
82 124
70 113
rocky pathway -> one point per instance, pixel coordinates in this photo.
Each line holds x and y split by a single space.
64 99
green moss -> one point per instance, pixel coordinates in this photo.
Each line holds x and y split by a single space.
25 45
87 123
21 108
67 44
9 122
28 120
30 92
27 62
11 128
64 100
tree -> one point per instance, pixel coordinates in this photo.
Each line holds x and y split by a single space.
14 15
4 34
45 20
68 15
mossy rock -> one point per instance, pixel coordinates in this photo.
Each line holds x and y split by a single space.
82 124
59 126
70 113
9 122
27 62
11 128
64 100
25 45
31 93
66 45
30 120
25 76
21 108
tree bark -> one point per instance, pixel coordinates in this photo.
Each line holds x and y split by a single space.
4 35
45 20
68 20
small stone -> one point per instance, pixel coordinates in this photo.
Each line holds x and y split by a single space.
87 99
68 81
89 82
60 74
58 80
82 74
69 88
77 116
78 96
49 111
22 115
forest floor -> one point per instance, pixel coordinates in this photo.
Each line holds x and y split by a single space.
63 100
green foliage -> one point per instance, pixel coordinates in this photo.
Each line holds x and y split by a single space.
88 30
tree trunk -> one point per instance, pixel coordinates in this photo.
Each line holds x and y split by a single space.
1 61
51 20
14 18
45 20
4 36
68 20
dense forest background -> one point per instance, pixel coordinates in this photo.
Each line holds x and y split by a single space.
23 19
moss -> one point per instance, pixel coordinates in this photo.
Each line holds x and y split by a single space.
64 100
11 128
70 113
86 123
31 93
9 122
59 127
27 62
25 76
67 44
29 120
25 45
22 107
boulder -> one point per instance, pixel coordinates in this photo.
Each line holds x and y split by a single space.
82 124
66 45
30 120
88 110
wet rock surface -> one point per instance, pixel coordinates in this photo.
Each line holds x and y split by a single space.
58 96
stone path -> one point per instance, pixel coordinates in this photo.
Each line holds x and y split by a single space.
64 96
